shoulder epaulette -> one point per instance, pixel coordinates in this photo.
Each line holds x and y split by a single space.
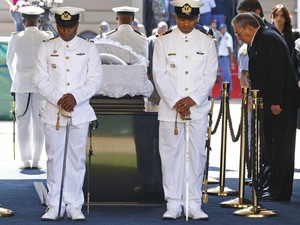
50 39
14 33
136 31
208 33
167 32
110 32
89 40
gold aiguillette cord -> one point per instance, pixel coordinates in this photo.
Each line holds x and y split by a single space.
58 118
176 128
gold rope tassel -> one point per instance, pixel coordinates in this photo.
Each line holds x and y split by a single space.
176 128
58 118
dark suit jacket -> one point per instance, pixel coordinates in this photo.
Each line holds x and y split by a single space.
271 70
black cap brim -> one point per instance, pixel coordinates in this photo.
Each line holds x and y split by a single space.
30 16
185 16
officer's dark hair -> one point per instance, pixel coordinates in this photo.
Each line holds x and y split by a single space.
244 19
31 20
250 6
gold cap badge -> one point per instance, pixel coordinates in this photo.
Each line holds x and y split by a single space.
66 16
186 9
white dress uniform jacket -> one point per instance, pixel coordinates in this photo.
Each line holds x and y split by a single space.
225 43
126 35
243 59
21 54
68 67
185 65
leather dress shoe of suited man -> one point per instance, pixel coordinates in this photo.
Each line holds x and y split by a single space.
267 196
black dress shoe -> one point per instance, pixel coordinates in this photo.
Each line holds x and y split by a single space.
267 197
283 199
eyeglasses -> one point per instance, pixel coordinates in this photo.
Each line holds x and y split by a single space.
237 34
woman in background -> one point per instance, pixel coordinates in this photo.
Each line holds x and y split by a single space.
281 18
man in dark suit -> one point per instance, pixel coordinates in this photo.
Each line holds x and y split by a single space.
271 72
255 7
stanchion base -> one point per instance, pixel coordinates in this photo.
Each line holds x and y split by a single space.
211 180
221 191
5 212
258 213
240 203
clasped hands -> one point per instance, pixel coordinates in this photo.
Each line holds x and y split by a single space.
183 106
67 102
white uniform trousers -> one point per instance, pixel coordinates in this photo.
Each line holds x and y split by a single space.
30 128
172 153
73 196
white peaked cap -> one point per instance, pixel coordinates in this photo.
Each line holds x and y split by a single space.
71 10
31 10
125 9
192 3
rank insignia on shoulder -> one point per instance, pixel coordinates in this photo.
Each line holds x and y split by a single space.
89 40
113 31
167 32
50 39
136 31
206 30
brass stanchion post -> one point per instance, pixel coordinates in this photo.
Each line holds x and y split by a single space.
221 190
255 210
241 202
208 149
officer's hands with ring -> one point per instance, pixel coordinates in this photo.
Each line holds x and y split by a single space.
67 102
183 106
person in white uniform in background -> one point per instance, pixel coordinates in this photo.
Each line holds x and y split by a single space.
125 34
68 73
21 53
144 126
185 69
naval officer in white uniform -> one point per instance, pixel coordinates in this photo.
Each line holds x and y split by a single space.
125 34
68 74
184 67
21 54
